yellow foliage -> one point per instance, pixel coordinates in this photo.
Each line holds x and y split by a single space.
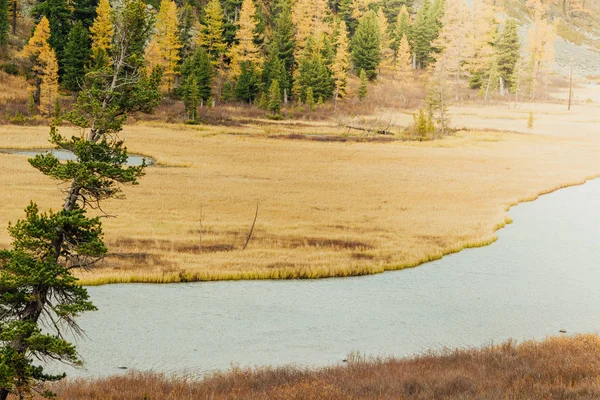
342 60
211 34
309 18
245 50
45 65
404 60
164 48
102 31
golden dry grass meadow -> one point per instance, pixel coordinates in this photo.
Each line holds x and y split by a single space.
324 208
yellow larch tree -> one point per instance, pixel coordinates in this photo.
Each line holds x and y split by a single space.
211 32
483 30
163 49
309 18
404 61
102 31
341 62
452 41
387 54
360 8
244 48
45 66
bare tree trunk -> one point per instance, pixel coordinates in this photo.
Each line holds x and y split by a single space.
14 17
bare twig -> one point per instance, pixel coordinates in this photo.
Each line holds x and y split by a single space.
251 228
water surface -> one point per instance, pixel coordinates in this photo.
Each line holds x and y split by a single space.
133 160
542 275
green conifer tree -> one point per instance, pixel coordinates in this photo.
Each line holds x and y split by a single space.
77 57
508 53
84 11
310 99
247 86
37 273
4 22
366 45
191 97
363 87
314 73
196 80
274 105
186 21
286 44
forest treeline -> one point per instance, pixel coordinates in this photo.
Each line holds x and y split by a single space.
271 52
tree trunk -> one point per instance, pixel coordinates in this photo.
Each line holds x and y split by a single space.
14 18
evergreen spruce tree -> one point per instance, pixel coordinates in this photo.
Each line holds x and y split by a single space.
286 44
247 86
191 97
425 30
392 8
196 80
345 8
313 73
364 85
59 16
77 56
508 53
186 23
4 23
274 105
366 45
41 297
84 11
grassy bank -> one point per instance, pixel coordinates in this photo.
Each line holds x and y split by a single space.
557 368
325 208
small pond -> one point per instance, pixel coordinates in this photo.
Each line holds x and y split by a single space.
133 160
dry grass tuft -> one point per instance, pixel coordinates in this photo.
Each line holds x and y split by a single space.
557 368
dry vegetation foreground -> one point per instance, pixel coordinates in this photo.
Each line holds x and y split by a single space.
325 208
557 368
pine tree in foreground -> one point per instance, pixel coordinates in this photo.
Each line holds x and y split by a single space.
40 297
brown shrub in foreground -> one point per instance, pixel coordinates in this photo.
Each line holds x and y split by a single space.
557 368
